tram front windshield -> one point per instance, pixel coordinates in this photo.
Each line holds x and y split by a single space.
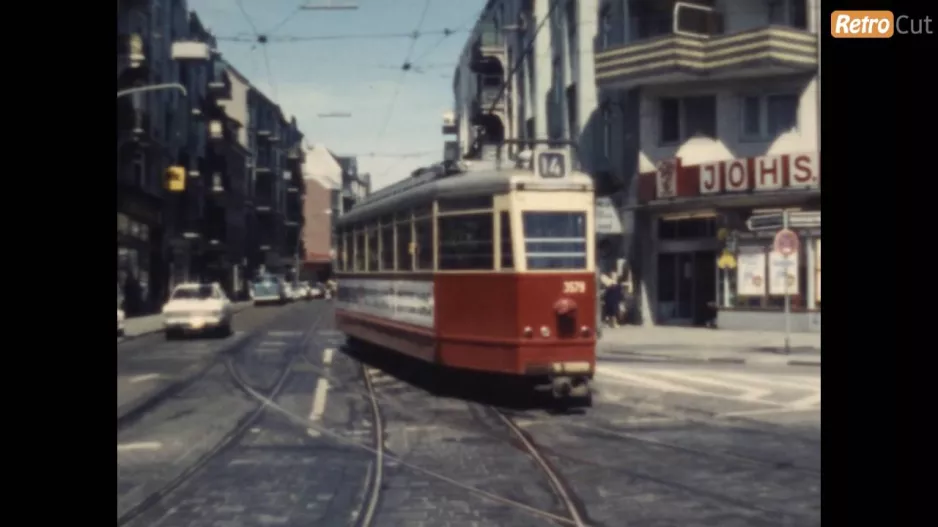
555 240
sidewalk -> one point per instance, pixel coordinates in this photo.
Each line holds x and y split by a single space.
697 345
140 326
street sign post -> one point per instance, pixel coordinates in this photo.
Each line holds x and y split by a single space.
786 244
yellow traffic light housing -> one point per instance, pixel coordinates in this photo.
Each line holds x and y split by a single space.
176 179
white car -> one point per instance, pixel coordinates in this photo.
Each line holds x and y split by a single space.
197 308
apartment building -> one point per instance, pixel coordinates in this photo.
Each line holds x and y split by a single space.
690 116
151 136
322 177
717 104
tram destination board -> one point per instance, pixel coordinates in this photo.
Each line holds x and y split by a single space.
552 164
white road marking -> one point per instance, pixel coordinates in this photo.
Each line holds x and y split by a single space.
327 356
766 411
319 404
284 333
647 382
144 378
272 344
807 383
142 445
811 401
749 394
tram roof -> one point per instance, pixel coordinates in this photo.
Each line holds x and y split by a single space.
480 179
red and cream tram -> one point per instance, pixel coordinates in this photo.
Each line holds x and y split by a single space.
482 268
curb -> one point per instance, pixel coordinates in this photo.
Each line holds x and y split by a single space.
128 338
710 360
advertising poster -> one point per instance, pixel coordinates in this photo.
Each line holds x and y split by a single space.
750 273
780 268
817 270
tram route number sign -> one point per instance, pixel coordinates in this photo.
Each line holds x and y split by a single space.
552 164
786 242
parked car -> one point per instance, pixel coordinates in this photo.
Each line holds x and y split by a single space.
318 290
197 308
268 290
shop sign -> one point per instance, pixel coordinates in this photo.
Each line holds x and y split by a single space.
765 173
607 217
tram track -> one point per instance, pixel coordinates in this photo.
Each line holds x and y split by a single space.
372 489
232 437
522 439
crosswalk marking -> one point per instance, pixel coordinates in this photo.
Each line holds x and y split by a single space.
777 392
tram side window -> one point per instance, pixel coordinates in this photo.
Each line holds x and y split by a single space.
359 255
508 260
466 242
555 240
373 249
340 257
403 246
423 229
387 247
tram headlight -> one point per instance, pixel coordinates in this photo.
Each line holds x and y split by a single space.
545 331
585 331
528 332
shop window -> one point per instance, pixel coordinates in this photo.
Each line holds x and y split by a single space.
688 228
123 223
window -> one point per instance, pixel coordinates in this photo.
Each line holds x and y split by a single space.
359 251
766 117
682 119
404 260
123 223
387 246
373 248
787 13
555 240
508 260
466 242
423 229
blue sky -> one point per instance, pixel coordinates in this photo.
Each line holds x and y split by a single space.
352 75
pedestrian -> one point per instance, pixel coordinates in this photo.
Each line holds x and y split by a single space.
612 297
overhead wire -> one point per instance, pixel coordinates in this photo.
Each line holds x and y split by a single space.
249 39
404 69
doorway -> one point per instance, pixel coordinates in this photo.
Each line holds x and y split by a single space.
686 286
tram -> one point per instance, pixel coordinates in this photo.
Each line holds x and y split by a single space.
479 266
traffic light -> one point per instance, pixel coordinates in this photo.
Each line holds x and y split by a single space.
176 179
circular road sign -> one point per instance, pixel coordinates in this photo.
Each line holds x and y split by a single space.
786 242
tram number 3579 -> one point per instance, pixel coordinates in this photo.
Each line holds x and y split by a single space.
574 287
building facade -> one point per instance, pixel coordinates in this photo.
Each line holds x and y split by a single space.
201 193
322 178
730 132
152 129
690 116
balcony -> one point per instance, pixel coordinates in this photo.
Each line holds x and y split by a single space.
491 98
450 123
491 41
695 48
219 85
